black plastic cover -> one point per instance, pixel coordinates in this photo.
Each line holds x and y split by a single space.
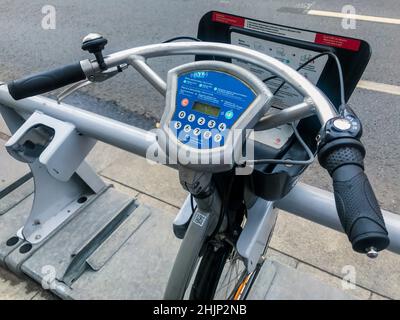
46 81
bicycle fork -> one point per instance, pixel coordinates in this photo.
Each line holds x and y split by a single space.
203 223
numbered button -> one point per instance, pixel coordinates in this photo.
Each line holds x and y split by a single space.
207 135
177 125
191 117
201 121
196 131
187 128
211 124
182 114
222 126
217 137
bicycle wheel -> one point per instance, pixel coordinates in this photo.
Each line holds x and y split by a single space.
221 274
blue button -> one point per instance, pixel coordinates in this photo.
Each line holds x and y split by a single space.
229 114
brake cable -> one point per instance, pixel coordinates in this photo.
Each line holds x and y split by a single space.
297 134
339 68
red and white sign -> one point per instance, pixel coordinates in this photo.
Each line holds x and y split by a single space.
319 38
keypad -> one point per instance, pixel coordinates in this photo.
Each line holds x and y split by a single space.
199 130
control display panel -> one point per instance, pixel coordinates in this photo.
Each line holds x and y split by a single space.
208 103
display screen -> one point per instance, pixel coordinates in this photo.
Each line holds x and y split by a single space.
206 109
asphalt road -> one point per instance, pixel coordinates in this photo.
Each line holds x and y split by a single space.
25 48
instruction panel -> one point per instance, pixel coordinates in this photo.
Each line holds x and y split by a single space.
290 55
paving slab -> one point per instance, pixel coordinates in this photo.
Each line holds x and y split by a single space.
159 181
4 132
45 295
16 196
16 288
335 281
277 281
102 155
282 258
11 169
330 251
375 296
121 188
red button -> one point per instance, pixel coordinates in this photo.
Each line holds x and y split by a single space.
184 102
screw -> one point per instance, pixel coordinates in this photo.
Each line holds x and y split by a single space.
372 253
36 222
37 237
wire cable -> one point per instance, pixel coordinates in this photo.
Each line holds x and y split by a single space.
181 38
185 38
298 136
339 68
287 161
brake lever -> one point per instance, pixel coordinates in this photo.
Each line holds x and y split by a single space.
98 77
71 89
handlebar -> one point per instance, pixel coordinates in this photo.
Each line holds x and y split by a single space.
341 153
359 210
46 81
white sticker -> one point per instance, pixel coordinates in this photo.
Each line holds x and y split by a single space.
280 30
292 56
199 219
275 137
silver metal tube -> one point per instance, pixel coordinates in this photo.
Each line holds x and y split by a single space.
318 205
113 132
324 108
139 63
297 112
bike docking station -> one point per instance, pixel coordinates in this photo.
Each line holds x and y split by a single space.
74 226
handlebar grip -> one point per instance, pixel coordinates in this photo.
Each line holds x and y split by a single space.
358 209
46 81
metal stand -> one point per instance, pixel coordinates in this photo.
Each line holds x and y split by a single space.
73 223
55 152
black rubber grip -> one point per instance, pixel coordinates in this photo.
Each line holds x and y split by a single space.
46 81
358 209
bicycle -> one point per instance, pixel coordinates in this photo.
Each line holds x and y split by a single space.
227 225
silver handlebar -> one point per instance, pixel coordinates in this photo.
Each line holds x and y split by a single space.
314 98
